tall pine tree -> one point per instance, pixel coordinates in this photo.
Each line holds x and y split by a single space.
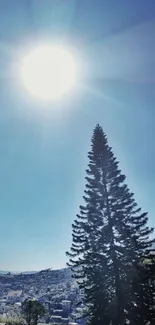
111 244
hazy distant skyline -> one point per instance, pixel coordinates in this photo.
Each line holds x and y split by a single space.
43 148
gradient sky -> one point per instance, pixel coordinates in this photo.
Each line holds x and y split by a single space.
43 147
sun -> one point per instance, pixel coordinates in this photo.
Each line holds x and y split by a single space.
48 72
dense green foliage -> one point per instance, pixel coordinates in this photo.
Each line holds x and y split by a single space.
32 310
14 321
110 241
11 321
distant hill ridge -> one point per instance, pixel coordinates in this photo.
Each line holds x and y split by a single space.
3 273
31 272
26 272
44 278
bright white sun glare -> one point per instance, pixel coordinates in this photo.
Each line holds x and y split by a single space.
48 72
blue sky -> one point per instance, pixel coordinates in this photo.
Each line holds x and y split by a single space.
43 147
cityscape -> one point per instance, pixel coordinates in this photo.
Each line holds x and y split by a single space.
55 289
77 171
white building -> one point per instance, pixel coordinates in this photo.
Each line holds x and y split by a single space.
66 304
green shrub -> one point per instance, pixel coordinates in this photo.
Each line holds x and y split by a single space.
13 321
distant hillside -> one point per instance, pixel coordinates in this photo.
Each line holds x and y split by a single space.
3 272
44 277
26 272
33 272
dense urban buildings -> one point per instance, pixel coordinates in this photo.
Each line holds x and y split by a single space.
55 289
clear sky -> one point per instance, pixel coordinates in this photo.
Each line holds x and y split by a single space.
43 147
